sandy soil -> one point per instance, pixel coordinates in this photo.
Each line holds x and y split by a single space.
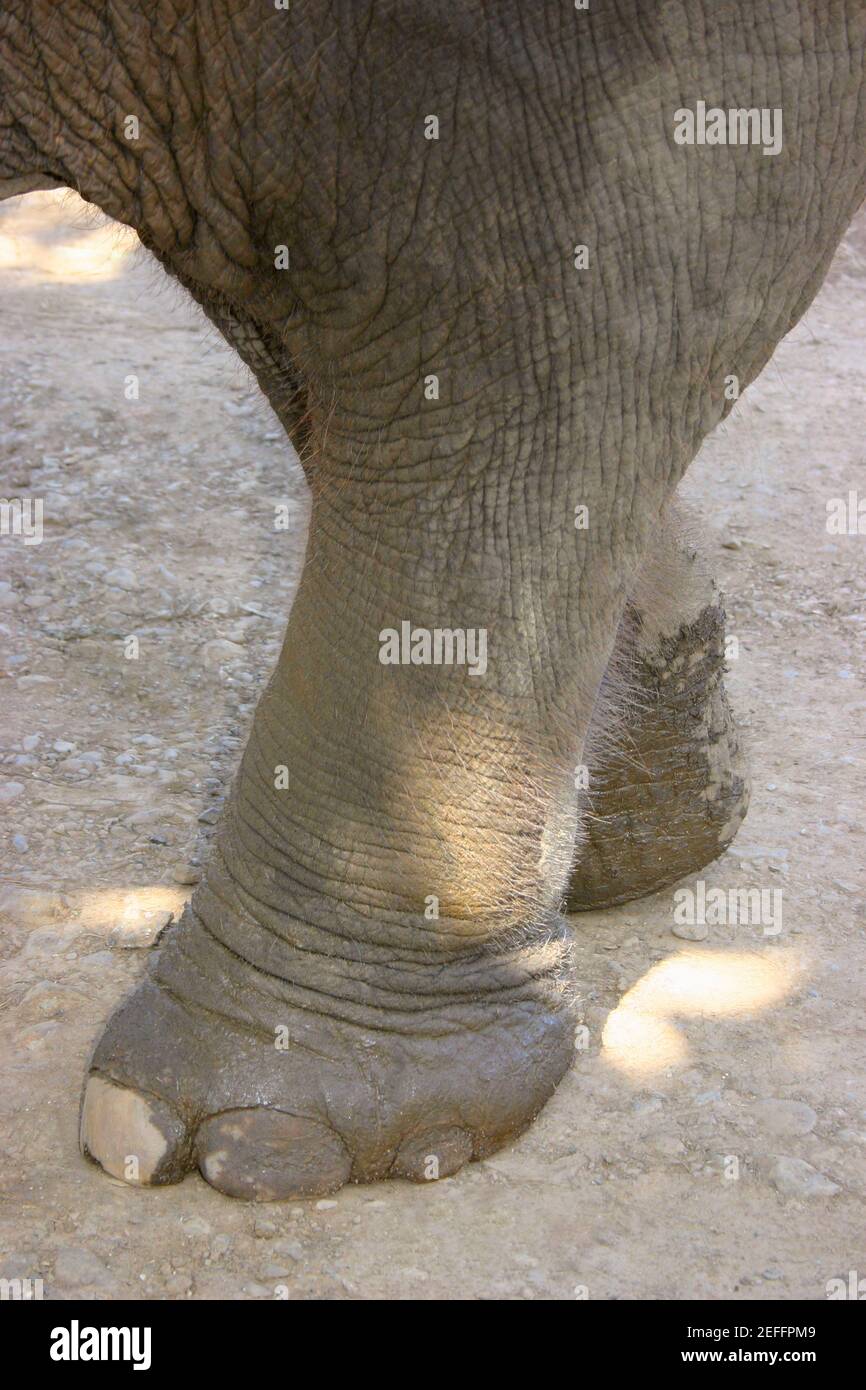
663 1167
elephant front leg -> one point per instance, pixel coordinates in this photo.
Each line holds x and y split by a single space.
369 981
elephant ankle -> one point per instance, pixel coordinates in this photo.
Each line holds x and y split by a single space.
223 958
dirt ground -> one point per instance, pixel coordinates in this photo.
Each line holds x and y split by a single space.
711 1140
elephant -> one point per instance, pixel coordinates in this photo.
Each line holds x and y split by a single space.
498 270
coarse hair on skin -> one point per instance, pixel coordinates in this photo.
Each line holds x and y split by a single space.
672 587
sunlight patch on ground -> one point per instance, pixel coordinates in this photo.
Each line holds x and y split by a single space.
641 1036
126 911
50 237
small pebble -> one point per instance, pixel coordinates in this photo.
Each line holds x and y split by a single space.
793 1177
691 931
289 1248
120 578
708 1097
784 1117
186 873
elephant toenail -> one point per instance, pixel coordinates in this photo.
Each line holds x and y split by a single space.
436 1153
134 1137
267 1155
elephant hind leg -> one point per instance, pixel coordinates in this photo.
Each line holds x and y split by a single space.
667 783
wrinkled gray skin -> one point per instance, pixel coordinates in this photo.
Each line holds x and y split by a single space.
411 1043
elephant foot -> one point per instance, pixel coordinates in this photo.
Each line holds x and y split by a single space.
668 786
274 1091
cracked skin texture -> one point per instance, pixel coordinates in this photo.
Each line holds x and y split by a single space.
408 1036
